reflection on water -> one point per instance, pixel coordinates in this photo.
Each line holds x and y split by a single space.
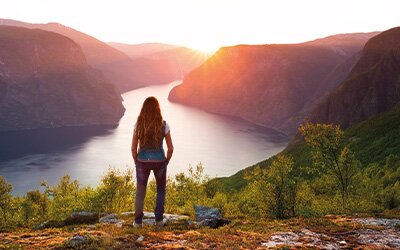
223 144
16 144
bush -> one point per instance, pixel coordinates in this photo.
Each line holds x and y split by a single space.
6 203
116 192
35 206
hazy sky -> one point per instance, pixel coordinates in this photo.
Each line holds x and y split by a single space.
208 24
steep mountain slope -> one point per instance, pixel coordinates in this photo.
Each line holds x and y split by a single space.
114 64
366 104
372 87
272 85
46 82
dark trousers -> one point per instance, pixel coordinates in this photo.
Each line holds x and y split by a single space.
143 170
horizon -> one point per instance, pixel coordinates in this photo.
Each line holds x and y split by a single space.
211 24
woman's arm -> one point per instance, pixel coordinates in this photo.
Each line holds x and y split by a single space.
170 146
134 147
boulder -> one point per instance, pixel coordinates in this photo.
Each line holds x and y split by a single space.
204 213
209 217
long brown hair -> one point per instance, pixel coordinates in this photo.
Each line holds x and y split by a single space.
149 124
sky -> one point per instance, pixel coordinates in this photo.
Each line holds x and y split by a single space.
209 24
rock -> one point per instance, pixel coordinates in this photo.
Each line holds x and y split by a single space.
148 215
112 219
82 218
149 218
50 224
387 223
209 217
140 239
80 242
107 218
128 214
304 238
379 239
175 217
203 213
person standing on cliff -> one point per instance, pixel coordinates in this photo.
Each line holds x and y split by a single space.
148 154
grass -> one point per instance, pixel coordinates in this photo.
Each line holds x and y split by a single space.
376 138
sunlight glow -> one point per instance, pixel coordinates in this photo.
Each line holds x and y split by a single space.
209 24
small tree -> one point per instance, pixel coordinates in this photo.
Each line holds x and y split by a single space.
116 191
5 198
34 207
64 196
273 189
330 155
283 184
190 187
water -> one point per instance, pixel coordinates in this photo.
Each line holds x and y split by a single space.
223 145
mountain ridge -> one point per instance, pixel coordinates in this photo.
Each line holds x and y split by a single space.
45 82
379 66
115 65
269 84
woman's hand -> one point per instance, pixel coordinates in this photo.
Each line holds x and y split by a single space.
170 147
134 147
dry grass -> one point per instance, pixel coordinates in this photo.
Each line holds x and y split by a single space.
237 235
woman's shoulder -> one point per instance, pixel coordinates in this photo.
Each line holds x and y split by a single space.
166 127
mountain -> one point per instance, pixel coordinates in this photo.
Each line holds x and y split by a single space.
141 50
45 81
366 104
273 85
372 87
168 61
114 64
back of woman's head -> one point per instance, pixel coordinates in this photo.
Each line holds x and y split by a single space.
149 125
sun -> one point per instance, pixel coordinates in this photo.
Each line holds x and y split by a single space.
206 47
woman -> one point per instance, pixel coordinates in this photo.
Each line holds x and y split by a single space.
148 154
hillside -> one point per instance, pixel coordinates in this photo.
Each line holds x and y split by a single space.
46 82
272 85
114 64
366 104
372 87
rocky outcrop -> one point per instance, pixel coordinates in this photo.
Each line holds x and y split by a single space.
272 85
45 82
364 238
372 87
